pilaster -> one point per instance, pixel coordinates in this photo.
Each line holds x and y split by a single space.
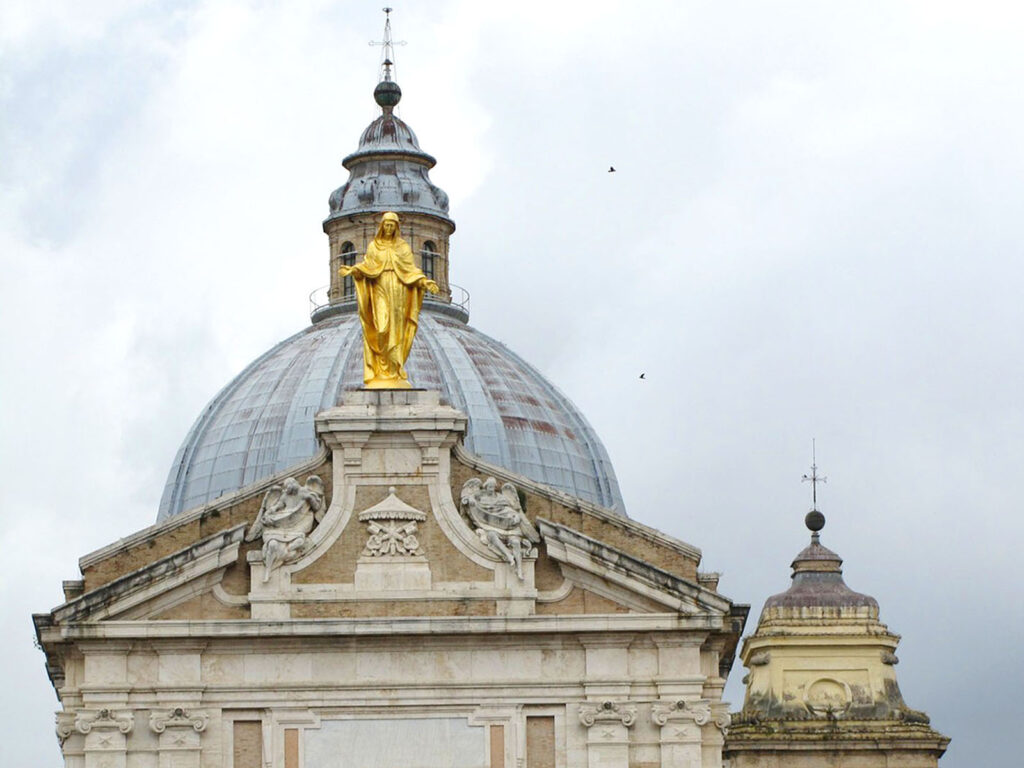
608 724
104 674
607 665
105 732
680 671
179 671
179 731
691 732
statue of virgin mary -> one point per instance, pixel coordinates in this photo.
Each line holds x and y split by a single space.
389 289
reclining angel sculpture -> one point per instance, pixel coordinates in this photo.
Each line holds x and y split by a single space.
286 517
499 520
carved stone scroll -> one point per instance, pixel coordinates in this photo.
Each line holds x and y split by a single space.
105 733
607 724
87 721
179 731
160 721
65 726
592 713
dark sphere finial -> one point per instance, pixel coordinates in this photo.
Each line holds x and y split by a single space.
387 94
814 521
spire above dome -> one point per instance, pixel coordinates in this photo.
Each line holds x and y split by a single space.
387 94
389 171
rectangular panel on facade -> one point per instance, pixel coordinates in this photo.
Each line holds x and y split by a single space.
410 743
497 746
248 744
540 742
291 748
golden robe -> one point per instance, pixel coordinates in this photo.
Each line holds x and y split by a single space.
389 289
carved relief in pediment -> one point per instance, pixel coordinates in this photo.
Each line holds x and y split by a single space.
391 528
392 558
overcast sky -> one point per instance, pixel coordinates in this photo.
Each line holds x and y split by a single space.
814 231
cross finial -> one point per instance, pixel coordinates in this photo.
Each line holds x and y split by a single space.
387 46
814 478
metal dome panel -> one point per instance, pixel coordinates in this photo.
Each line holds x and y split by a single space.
262 422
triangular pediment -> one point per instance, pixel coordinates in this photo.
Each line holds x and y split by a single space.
397 522
160 585
622 578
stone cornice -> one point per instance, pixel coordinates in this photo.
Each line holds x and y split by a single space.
205 556
411 626
575 550
835 638
854 736
389 411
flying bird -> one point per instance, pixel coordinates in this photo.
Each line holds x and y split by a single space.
611 169
643 375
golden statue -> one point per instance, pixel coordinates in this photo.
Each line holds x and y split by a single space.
389 288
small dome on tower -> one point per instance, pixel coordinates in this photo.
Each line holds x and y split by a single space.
389 171
822 681
817 581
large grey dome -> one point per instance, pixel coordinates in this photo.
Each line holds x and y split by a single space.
262 422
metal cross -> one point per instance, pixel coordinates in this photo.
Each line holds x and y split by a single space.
814 478
388 44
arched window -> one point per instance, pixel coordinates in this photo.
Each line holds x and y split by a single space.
348 259
428 256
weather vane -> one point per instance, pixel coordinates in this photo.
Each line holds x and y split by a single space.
814 478
388 52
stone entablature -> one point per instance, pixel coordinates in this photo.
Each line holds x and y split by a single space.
299 675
